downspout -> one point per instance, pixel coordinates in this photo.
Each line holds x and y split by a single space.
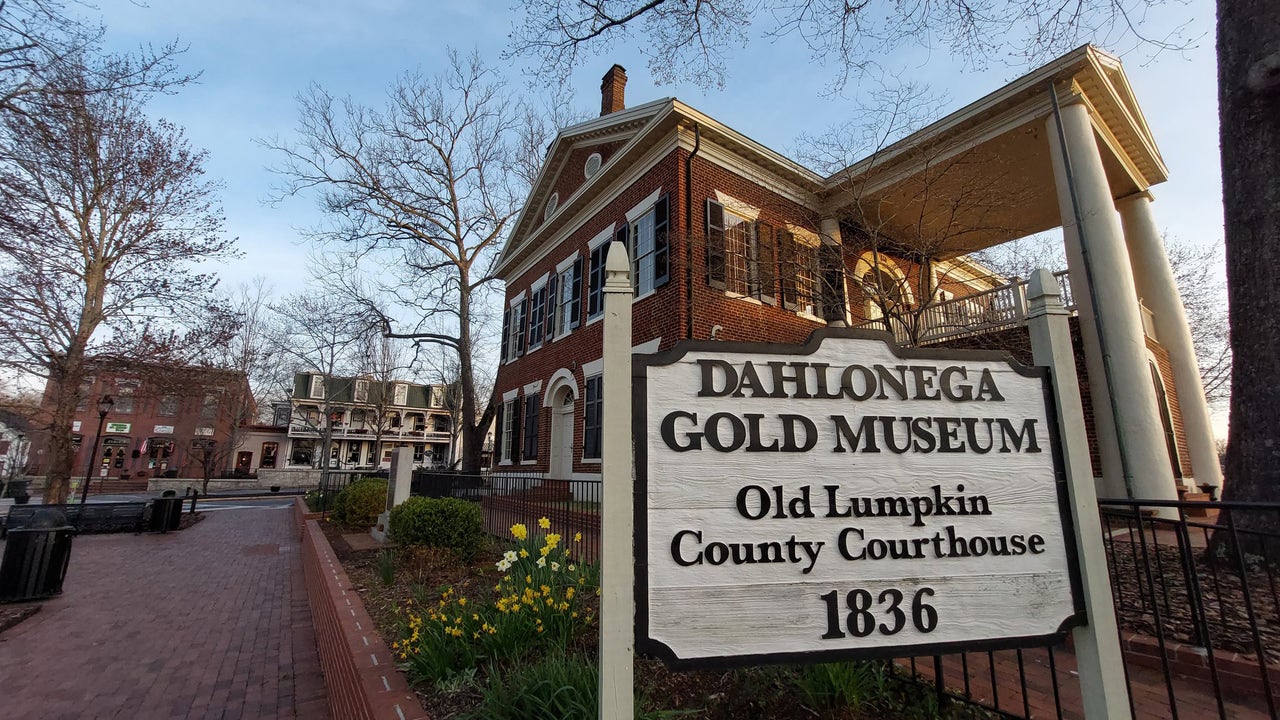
688 232
1093 297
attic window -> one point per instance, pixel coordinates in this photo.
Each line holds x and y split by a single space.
593 165
551 205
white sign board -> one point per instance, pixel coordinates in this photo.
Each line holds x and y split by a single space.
118 427
846 499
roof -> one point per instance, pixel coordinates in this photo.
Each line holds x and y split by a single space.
1008 123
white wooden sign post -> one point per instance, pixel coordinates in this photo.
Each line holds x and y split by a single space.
847 499
1097 644
617 573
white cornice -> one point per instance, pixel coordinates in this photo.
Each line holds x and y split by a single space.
546 245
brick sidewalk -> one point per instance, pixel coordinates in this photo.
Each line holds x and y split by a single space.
210 622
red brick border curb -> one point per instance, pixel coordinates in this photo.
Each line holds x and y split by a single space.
1236 672
359 670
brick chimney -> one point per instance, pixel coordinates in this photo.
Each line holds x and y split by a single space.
613 90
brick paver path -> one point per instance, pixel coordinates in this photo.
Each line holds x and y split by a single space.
211 622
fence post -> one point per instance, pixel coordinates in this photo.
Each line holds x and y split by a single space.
1097 643
617 556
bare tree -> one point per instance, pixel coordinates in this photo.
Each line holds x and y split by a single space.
426 188
1196 271
686 41
901 245
248 354
693 41
318 334
102 215
41 46
381 360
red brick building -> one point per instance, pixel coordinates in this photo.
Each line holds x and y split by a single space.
162 421
731 240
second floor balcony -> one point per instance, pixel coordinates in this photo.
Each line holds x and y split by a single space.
978 314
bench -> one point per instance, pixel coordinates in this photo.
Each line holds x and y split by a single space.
91 518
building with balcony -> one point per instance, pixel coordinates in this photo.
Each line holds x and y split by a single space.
731 240
361 420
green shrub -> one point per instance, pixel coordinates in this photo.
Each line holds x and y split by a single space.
439 522
358 505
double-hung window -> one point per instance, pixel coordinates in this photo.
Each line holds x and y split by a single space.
800 277
514 334
591 421
595 284
537 316
568 299
649 248
531 407
740 256
508 449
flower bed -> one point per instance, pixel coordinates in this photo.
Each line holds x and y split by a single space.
512 634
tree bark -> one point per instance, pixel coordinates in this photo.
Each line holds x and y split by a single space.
1249 116
470 455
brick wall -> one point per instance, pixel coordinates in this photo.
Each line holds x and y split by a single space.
571 175
359 671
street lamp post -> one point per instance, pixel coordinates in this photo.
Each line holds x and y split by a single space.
104 407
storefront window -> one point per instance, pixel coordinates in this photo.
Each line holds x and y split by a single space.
269 450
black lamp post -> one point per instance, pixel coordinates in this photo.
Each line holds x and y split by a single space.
104 407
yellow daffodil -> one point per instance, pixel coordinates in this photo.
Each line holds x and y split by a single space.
519 531
544 523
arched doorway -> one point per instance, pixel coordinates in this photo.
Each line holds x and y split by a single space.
561 465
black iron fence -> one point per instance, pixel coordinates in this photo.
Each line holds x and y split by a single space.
572 507
1196 598
1194 585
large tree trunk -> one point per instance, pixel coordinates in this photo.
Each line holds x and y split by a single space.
68 376
470 452
1249 114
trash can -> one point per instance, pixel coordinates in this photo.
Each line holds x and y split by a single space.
36 557
166 514
18 491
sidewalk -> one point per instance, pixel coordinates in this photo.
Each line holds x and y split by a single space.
210 622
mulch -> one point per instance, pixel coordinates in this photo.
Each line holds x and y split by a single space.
1158 584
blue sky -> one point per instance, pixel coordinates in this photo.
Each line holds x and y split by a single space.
256 56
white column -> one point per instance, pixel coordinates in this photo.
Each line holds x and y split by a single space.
617 554
1098 654
1099 233
829 229
1153 277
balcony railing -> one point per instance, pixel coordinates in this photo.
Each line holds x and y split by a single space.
980 313
365 433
